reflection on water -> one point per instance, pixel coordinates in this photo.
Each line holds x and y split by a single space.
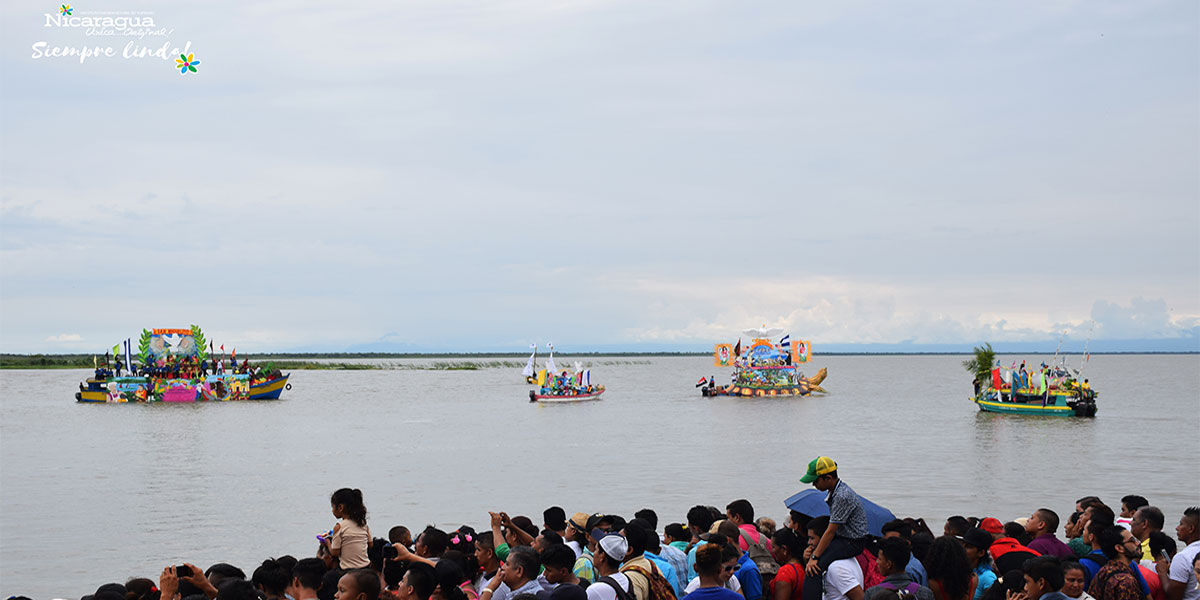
107 492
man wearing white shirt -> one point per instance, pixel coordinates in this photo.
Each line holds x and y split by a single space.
1178 577
844 579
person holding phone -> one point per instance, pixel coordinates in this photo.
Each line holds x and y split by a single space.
350 537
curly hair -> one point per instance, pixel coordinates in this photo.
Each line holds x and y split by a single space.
947 563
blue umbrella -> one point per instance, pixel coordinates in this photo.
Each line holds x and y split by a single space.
812 503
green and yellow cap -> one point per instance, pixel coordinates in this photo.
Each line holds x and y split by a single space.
820 465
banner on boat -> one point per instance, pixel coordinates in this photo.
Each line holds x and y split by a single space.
801 351
166 344
723 355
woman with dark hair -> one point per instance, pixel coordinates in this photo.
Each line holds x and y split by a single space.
788 551
950 575
350 537
450 581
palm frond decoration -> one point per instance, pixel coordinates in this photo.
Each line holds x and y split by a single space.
981 365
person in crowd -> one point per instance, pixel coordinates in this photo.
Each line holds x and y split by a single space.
1016 531
976 543
140 588
1160 544
1147 521
1074 579
546 538
1129 506
489 565
892 557
557 563
1116 580
1042 525
452 581
956 526
676 557
358 584
1178 576
1098 518
555 519
519 573
843 579
418 583
700 520
400 535
350 537
611 584
747 572
713 570
729 558
1008 553
1043 579
1008 586
950 575
902 529
306 579
765 526
273 576
576 534
741 513
1084 509
431 544
847 529
677 536
788 550
637 567
653 549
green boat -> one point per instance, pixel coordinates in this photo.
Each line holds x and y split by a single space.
1063 403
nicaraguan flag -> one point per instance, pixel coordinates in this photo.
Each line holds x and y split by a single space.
785 341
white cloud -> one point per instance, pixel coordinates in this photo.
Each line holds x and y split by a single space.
64 338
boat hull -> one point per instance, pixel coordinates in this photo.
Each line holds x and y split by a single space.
1056 405
536 397
755 392
212 388
268 390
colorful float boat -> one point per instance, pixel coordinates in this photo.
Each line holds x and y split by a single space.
173 365
1053 390
764 369
564 387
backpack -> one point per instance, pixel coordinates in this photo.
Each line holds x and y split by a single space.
911 588
767 567
621 593
660 588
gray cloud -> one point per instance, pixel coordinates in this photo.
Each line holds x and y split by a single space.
477 172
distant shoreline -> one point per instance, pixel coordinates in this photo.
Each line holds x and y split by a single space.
309 360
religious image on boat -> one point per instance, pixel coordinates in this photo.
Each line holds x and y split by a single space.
764 368
177 365
1053 389
565 386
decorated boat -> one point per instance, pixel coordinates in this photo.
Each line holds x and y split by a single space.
764 368
1053 390
174 365
564 387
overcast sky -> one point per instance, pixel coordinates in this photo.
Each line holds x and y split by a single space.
482 175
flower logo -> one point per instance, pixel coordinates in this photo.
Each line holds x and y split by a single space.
65 10
186 63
